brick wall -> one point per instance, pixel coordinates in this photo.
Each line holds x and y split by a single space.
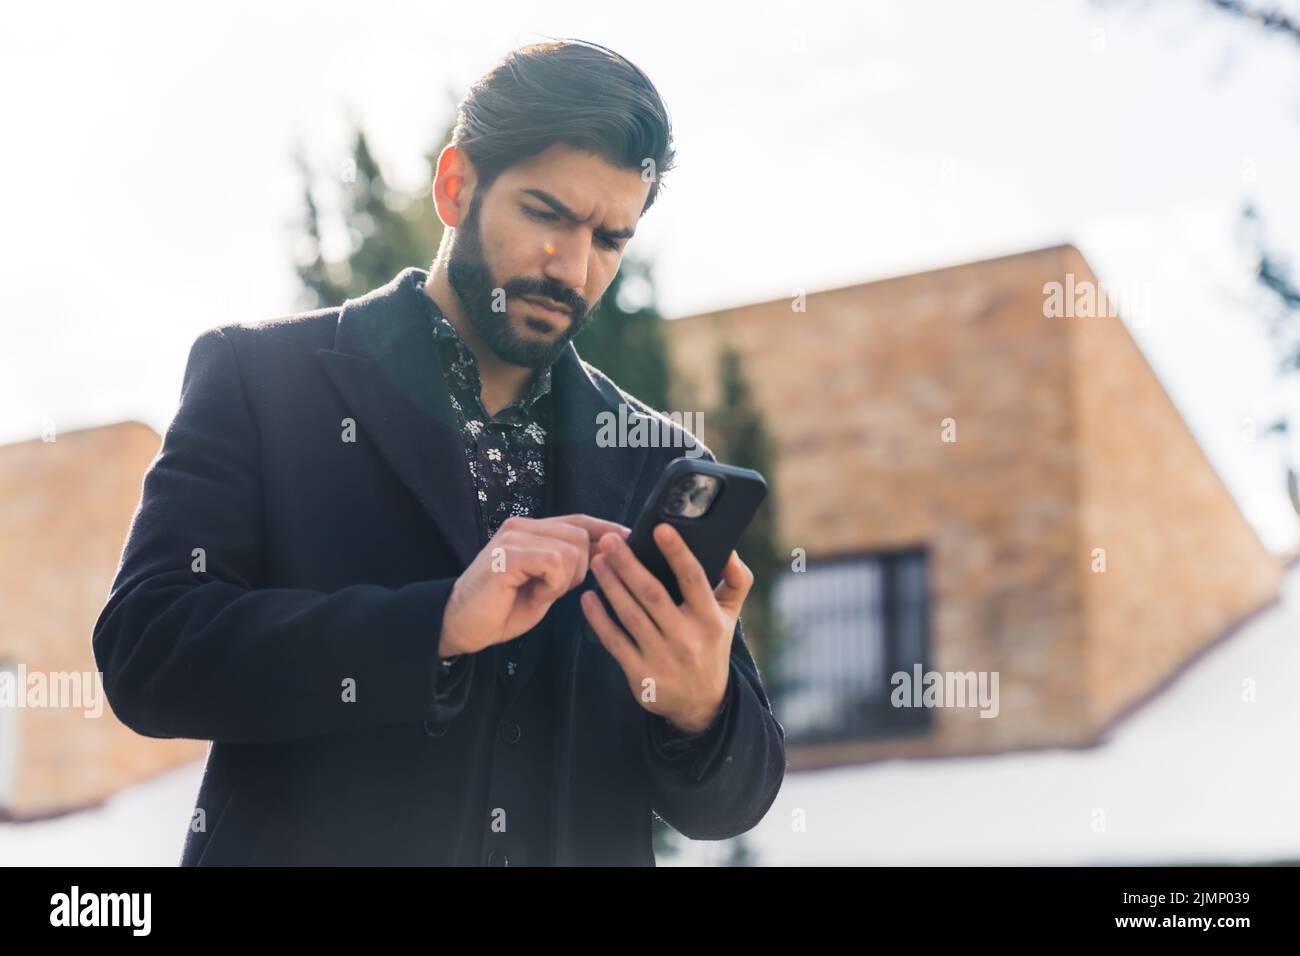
1181 561
67 507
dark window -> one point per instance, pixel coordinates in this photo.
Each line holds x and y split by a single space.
850 624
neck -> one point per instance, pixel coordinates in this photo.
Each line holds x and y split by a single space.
502 382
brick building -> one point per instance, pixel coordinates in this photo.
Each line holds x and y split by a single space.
978 488
67 506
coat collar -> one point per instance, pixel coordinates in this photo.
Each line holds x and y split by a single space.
386 366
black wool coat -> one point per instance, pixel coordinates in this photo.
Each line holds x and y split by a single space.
281 592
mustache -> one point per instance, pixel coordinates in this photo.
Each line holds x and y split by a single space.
550 289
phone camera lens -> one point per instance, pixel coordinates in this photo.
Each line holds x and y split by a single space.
686 484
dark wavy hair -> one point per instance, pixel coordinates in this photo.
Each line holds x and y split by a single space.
564 91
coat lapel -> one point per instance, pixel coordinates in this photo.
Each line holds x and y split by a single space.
385 365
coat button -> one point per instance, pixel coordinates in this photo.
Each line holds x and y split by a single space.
511 732
497 858
435 729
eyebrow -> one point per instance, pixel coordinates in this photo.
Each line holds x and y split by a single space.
572 216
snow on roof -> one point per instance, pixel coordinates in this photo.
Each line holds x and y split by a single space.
143 825
1200 774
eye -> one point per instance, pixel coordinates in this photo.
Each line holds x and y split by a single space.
542 216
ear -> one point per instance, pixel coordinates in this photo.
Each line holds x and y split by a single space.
453 186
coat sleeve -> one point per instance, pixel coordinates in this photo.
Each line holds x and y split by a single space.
698 751
730 775
188 643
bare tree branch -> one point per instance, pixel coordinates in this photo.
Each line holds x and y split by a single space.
1274 20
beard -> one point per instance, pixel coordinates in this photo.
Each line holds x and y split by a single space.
475 286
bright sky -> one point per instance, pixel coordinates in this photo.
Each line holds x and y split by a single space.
151 193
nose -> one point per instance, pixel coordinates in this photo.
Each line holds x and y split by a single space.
566 260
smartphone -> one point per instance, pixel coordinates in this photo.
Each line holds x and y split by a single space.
709 504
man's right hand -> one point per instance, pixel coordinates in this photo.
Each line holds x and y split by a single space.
511 584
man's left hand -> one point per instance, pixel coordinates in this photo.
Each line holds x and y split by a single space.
684 649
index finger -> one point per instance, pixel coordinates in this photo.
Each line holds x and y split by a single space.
596 528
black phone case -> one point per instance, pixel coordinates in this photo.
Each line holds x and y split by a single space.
711 537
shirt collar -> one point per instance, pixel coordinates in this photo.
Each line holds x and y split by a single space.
444 331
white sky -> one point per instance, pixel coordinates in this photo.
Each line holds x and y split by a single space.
150 192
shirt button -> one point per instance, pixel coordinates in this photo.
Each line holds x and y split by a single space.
497 858
511 732
435 729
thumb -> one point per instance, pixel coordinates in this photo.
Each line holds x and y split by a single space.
737 579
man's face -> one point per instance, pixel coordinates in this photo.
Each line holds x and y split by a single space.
548 232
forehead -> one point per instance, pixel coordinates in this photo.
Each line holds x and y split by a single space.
585 182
